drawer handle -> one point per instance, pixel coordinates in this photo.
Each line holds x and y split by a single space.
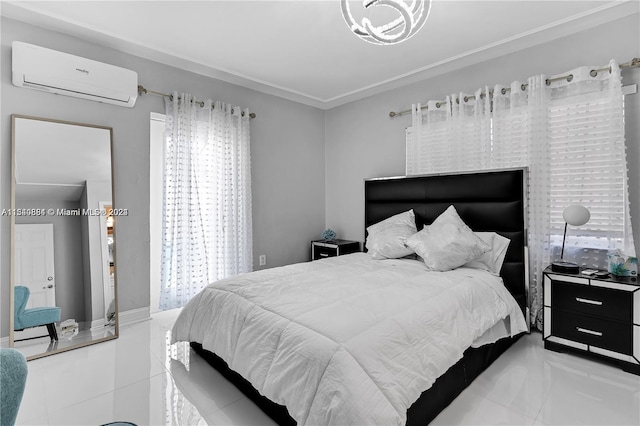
324 254
589 301
587 331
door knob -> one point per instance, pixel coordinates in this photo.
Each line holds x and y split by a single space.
49 278
50 286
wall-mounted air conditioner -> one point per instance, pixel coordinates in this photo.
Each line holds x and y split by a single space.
44 69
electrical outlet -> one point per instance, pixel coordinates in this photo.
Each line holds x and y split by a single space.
262 259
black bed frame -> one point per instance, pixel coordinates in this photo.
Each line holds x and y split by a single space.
486 201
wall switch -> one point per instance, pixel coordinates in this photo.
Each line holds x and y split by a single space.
262 259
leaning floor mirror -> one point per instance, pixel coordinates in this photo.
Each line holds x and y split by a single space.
63 275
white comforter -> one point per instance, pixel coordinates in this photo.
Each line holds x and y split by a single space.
346 340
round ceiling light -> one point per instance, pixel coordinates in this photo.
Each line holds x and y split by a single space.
413 15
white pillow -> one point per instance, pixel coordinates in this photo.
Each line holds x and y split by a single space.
493 259
447 243
387 238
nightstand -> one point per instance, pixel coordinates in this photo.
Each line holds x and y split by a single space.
599 317
324 248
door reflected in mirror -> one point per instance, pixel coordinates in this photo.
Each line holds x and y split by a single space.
63 234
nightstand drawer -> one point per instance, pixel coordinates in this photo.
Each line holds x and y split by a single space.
321 249
602 302
592 331
322 252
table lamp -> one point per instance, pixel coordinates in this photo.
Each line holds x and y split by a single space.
574 215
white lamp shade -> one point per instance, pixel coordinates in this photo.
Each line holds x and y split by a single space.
576 215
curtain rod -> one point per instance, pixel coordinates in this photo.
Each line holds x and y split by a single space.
144 91
635 62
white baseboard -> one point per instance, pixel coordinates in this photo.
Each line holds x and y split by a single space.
96 324
134 316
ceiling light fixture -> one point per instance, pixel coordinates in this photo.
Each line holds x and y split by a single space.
413 15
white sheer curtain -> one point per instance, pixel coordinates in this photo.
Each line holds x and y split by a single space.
536 141
451 135
427 148
510 145
568 131
207 228
586 133
471 127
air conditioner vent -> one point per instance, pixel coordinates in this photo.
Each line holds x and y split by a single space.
48 70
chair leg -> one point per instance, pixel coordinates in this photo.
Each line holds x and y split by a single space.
53 333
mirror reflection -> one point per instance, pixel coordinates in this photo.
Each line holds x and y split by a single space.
63 277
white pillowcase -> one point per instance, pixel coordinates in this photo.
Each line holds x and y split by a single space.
493 259
386 239
447 243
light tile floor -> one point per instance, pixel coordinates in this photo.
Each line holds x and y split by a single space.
139 378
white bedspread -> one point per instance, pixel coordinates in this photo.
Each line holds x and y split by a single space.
346 340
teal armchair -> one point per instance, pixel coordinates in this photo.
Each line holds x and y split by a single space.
13 378
34 317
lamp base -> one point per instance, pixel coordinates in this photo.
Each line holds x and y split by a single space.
566 267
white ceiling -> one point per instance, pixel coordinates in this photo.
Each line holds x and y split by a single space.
302 50
54 160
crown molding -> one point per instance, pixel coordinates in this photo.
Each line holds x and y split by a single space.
27 12
592 18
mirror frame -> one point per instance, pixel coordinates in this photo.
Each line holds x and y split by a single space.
12 238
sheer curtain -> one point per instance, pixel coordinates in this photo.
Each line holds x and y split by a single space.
427 148
569 132
471 127
586 133
207 228
451 135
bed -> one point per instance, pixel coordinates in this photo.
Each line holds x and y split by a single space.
353 349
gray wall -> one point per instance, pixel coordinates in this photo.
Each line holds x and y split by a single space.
287 149
361 141
67 249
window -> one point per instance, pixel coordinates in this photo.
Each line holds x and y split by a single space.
568 130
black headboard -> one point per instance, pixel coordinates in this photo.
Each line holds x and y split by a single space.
486 201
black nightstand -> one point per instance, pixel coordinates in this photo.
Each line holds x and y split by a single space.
324 248
599 317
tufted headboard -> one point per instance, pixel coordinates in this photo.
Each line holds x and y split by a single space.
486 201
